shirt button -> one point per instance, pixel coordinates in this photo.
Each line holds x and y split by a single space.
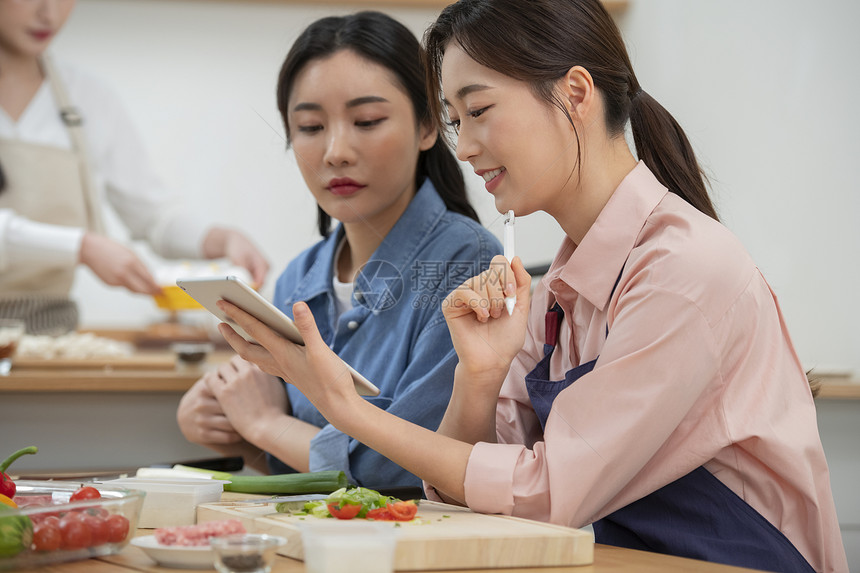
352 325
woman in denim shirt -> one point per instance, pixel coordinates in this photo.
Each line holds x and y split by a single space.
352 96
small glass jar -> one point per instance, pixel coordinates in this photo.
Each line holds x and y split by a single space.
191 355
246 552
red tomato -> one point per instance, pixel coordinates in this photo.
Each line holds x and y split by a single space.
117 528
403 510
52 520
346 511
47 536
76 533
97 511
86 492
99 530
380 514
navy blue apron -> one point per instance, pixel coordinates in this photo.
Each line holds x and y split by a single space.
696 516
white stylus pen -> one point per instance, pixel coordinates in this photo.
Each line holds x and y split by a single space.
510 301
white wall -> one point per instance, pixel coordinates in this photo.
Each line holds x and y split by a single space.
766 90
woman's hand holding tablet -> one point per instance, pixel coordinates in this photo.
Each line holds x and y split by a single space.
208 291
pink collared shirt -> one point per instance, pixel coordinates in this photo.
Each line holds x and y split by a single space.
698 369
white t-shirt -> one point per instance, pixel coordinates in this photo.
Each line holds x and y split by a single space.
121 170
342 290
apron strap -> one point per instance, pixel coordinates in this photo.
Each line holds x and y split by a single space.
73 120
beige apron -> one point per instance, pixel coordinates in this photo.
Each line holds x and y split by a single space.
49 185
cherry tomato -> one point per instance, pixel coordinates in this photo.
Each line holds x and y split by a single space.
380 514
49 518
346 511
403 510
47 536
76 534
99 530
86 492
53 519
117 528
97 511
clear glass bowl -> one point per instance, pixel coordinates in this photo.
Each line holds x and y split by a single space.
246 553
41 502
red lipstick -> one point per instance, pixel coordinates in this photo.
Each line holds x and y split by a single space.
344 186
41 35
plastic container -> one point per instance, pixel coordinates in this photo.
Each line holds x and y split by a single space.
118 509
245 553
171 502
333 546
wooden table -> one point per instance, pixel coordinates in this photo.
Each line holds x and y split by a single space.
607 559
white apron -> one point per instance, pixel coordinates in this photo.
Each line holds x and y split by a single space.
49 185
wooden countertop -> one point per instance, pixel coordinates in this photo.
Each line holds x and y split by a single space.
157 371
843 389
145 371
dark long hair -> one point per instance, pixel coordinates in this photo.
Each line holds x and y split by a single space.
538 42
384 41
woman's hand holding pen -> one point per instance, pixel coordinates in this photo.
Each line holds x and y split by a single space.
485 337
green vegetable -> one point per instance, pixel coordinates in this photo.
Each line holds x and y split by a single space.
311 482
368 499
7 486
320 510
16 532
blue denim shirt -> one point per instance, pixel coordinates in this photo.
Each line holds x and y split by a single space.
394 334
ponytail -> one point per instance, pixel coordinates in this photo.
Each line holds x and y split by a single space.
661 144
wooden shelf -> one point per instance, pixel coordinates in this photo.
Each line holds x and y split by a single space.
614 6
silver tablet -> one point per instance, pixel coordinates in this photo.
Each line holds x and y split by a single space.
208 291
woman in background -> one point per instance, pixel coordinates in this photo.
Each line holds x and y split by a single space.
64 138
651 388
352 96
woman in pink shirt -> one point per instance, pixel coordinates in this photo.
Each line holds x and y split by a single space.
650 388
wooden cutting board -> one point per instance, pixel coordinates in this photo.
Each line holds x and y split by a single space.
447 537
136 361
